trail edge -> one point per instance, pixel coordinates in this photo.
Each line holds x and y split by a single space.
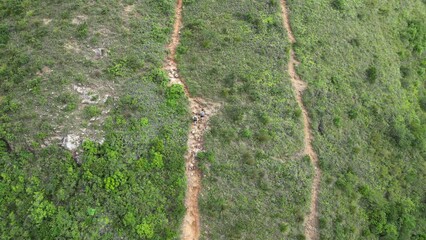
311 220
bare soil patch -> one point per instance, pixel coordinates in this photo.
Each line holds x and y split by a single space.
72 46
46 21
43 71
79 19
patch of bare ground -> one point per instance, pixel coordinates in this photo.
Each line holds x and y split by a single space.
72 46
46 21
79 19
311 220
72 127
43 71
191 221
91 53
129 9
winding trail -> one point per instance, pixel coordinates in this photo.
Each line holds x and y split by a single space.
311 220
191 221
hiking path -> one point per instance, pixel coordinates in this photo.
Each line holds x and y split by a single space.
311 220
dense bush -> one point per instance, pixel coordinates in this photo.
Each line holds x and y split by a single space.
416 36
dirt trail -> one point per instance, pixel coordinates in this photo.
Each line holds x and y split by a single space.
311 220
191 221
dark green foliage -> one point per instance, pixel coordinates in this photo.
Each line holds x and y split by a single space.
175 95
166 6
82 30
422 103
117 69
415 34
69 100
338 4
371 74
91 111
4 34
253 19
12 7
158 76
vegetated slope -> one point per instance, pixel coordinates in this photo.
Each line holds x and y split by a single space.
93 71
256 181
365 65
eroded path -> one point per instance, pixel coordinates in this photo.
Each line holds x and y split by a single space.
191 222
311 220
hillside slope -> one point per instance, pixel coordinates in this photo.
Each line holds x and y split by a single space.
365 65
91 138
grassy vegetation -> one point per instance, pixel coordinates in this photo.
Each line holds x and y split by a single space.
365 65
255 185
91 69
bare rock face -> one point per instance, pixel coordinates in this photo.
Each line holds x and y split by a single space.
88 95
71 142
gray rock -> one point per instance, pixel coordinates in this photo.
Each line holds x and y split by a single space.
71 142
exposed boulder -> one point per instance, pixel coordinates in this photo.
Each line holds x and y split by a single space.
71 142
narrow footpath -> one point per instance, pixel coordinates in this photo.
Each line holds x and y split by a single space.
311 220
191 222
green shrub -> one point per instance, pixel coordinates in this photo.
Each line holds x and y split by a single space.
371 73
263 136
338 4
248 158
129 102
129 219
157 160
353 113
145 230
166 6
91 111
247 133
69 100
158 76
337 121
117 69
82 30
416 36
114 181
160 34
134 62
174 94
4 34
422 103
11 8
